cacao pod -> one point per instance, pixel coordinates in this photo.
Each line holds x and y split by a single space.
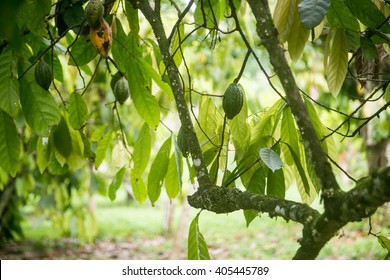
43 74
121 90
182 143
233 99
101 37
94 12
114 79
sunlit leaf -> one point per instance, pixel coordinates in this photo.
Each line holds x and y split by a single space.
313 12
158 171
116 183
271 159
338 61
102 148
142 149
44 151
173 177
197 246
10 146
284 15
289 135
78 111
139 188
297 37
177 46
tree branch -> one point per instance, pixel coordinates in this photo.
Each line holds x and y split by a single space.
269 38
155 21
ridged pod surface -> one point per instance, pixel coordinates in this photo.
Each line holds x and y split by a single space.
121 90
43 74
94 12
233 99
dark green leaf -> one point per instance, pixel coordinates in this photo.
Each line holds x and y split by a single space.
276 184
158 170
369 50
250 215
197 246
257 182
78 111
39 107
62 139
313 12
9 86
82 52
116 183
339 16
10 146
368 14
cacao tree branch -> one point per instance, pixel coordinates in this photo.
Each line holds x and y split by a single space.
269 39
155 21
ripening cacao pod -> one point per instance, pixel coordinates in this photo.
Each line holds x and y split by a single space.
182 143
233 100
94 12
43 74
101 37
121 90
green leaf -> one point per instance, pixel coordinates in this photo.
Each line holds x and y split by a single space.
257 182
102 148
132 17
62 139
384 241
32 14
98 133
173 177
297 38
128 56
39 107
313 12
197 246
140 191
44 152
289 135
340 16
158 171
82 52
250 215
240 131
337 66
10 146
9 86
116 183
368 14
78 111
142 149
271 159
276 184
387 94
284 15
177 47
368 47
208 13
301 171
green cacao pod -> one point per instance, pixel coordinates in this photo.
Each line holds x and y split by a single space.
114 79
233 99
121 90
94 12
182 143
43 74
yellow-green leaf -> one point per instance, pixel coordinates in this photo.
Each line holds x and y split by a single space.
337 65
297 37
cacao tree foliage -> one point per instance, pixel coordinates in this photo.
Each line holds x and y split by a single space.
306 71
